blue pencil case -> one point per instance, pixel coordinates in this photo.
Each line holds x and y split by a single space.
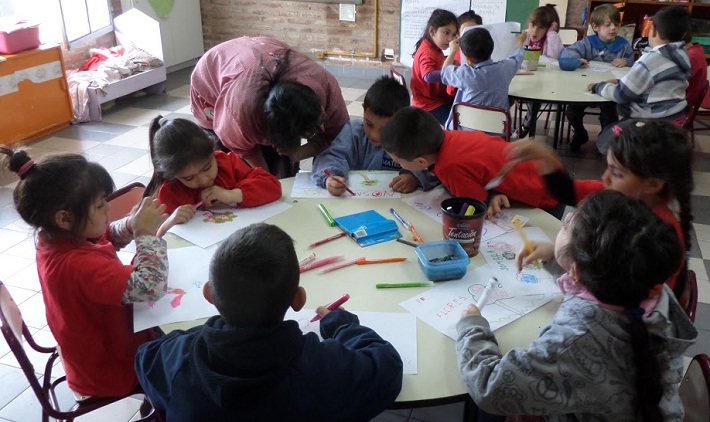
368 228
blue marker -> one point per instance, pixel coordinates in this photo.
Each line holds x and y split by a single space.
399 217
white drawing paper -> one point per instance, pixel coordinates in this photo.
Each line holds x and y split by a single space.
378 186
189 271
208 227
400 329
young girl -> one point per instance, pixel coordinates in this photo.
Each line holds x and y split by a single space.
428 92
85 286
614 350
188 172
649 160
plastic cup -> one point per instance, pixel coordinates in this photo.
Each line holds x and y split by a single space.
464 229
531 58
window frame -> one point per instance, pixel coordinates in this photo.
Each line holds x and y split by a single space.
93 34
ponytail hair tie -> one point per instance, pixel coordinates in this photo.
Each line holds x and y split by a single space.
25 168
634 314
617 130
162 121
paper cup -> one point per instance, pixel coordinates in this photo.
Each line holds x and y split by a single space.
531 58
462 228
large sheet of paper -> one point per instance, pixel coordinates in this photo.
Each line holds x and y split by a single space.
400 329
492 11
441 307
365 184
208 227
504 37
189 271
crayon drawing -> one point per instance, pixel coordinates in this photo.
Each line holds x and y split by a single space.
400 329
214 225
365 184
183 301
441 307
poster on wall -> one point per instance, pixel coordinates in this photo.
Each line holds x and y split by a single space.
414 15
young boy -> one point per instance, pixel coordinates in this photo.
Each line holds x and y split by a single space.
604 46
464 161
465 20
358 147
248 364
655 86
481 80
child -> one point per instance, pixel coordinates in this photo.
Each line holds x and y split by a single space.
605 46
187 172
655 86
481 80
465 20
85 287
428 92
614 350
464 161
248 364
358 146
541 35
648 160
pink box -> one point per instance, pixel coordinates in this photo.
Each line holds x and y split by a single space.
18 37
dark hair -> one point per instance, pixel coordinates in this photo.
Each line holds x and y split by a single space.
385 97
63 182
411 133
622 250
477 44
604 11
291 111
254 275
544 16
672 23
174 144
438 18
470 16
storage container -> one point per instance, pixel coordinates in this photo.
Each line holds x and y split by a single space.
444 260
18 36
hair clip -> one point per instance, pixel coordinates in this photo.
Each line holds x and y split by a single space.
25 168
640 124
162 121
617 130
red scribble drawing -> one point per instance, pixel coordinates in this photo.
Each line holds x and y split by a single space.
176 300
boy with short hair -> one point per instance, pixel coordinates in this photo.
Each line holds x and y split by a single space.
480 80
249 364
604 46
464 161
655 86
358 145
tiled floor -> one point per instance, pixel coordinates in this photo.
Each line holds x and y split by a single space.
120 143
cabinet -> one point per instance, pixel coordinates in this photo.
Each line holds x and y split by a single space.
33 95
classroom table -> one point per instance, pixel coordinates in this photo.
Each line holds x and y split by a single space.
551 85
438 380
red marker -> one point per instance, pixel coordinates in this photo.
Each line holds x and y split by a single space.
327 173
326 240
333 306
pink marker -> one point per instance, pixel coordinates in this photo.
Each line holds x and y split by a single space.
333 306
319 263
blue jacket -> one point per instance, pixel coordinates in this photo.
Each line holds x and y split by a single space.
592 48
218 372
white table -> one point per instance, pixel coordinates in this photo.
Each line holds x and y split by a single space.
438 380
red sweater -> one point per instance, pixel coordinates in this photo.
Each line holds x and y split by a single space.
82 287
468 160
258 186
425 95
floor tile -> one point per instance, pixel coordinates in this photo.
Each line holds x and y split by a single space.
160 102
26 278
701 208
19 294
33 311
352 94
355 109
134 138
122 410
139 166
10 265
10 238
13 383
39 360
182 91
133 116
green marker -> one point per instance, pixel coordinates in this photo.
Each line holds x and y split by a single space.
397 285
327 215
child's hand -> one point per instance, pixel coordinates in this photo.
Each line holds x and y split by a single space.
583 62
520 39
215 193
553 27
146 220
496 205
541 250
613 81
471 310
323 311
336 185
590 87
404 183
529 149
181 215
618 62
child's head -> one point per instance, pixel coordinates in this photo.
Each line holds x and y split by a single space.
605 20
181 150
670 24
477 45
411 134
254 277
467 19
540 20
61 195
382 100
441 28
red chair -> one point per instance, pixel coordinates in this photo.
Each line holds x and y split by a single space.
14 329
398 76
124 199
694 105
687 294
694 389
483 118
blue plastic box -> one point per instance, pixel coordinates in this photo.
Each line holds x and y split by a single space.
431 253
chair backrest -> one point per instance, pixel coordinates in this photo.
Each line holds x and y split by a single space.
694 389
483 118
694 105
124 199
398 76
687 294
570 35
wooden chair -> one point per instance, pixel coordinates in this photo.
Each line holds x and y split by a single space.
124 199
694 389
570 35
483 118
398 76
14 329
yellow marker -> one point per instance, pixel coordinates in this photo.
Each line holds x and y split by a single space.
527 244
469 211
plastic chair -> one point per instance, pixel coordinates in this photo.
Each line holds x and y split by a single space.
570 35
694 389
398 76
13 329
484 118
124 199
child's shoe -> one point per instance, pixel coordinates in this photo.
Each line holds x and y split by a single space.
578 139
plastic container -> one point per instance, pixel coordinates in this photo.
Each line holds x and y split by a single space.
18 36
444 260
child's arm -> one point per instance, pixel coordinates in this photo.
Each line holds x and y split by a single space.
451 58
425 179
553 44
623 93
181 215
543 251
628 55
255 186
404 183
343 154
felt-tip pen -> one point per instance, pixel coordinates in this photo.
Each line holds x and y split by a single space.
396 285
326 214
333 305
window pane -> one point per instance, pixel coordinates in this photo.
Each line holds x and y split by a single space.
76 20
99 15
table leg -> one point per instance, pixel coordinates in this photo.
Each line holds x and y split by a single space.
555 135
